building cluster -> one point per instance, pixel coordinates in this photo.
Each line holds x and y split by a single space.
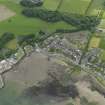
90 59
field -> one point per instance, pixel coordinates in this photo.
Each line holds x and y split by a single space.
94 43
51 4
21 25
74 6
95 7
102 43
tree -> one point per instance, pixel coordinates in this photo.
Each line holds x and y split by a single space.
31 3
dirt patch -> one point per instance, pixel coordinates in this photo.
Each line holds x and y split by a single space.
5 13
92 96
30 71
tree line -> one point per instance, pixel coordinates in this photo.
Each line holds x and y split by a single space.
79 21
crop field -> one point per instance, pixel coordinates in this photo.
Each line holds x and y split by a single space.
95 42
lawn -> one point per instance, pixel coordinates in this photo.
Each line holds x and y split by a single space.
95 42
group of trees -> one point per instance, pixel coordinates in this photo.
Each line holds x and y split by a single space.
31 39
6 53
31 3
5 38
80 21
24 40
49 16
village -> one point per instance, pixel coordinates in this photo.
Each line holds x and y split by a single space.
70 45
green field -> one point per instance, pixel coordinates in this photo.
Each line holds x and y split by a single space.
21 25
95 7
102 43
74 6
51 4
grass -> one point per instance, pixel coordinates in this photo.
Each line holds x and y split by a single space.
51 4
96 7
12 44
95 42
20 24
74 6
10 95
103 55
102 43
